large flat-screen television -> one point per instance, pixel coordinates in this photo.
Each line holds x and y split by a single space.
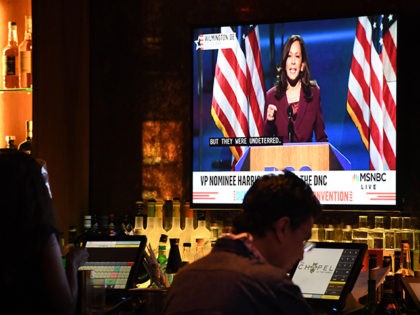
354 62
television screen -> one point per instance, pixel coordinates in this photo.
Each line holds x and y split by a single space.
353 63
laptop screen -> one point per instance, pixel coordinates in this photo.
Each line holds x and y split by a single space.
115 260
328 272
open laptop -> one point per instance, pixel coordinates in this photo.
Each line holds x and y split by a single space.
116 259
327 274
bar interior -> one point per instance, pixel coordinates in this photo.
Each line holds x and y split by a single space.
122 103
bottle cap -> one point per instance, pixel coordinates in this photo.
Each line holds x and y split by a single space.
163 238
174 241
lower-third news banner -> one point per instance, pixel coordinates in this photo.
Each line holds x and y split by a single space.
331 187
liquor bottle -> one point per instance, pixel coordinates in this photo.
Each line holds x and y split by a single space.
25 55
330 233
152 233
361 233
175 229
315 235
139 219
174 259
163 239
159 222
167 214
26 146
185 236
199 248
346 234
405 233
215 231
11 59
139 226
187 256
405 260
377 234
202 232
162 258
154 225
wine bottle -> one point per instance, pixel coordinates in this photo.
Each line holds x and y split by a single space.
26 146
25 55
11 59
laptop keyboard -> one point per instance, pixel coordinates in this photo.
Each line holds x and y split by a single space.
115 273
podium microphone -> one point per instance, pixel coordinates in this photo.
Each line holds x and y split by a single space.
289 112
291 125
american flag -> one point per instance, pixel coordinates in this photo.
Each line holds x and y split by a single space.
371 98
238 90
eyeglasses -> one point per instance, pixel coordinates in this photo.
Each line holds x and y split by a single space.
308 246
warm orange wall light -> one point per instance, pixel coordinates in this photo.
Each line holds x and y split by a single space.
162 159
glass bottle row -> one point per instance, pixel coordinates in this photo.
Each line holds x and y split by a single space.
17 57
377 236
154 225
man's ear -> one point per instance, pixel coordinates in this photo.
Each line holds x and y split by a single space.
282 227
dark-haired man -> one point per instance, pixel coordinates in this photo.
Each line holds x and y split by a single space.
246 272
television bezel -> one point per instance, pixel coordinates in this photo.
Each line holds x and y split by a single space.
402 168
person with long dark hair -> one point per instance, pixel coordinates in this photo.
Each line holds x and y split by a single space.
293 105
32 274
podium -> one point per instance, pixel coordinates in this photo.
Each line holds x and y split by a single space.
318 156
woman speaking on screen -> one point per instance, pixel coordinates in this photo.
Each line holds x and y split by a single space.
293 106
